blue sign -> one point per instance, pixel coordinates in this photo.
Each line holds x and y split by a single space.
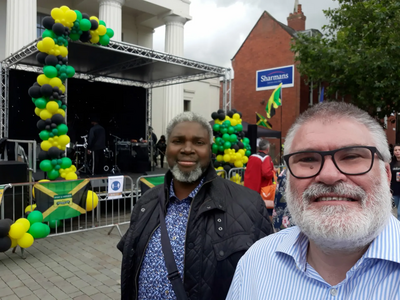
269 79
116 185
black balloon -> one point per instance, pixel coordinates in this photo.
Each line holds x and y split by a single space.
55 95
53 125
5 244
85 16
43 155
58 29
48 121
40 57
58 119
34 92
240 114
48 23
4 228
65 60
85 36
54 152
51 60
241 145
214 115
227 168
46 90
41 125
56 89
234 110
221 116
95 25
236 147
230 113
36 84
48 128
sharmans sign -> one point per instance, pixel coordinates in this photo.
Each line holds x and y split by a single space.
269 79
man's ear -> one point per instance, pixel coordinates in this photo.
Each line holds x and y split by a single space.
388 172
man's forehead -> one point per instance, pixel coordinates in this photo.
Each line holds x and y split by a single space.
189 128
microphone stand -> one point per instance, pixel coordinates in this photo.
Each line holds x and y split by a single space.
115 169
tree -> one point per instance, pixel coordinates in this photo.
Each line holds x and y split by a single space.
358 56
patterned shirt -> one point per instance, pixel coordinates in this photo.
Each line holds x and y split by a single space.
153 280
276 268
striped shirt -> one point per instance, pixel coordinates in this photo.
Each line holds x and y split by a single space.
276 268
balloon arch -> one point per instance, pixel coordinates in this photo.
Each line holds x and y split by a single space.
48 91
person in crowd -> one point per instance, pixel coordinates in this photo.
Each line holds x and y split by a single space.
395 182
346 242
96 145
259 170
281 215
161 147
211 222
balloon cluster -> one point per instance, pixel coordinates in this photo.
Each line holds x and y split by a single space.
230 146
237 179
23 231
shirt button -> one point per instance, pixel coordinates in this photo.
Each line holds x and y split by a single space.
220 228
333 292
180 215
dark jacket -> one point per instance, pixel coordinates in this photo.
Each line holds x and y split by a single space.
97 138
225 219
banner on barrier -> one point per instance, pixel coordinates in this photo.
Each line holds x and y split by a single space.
115 187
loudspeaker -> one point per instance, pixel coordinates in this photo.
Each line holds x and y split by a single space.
252 135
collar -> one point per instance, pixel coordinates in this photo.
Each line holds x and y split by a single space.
192 193
385 246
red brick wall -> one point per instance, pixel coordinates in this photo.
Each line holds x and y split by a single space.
267 46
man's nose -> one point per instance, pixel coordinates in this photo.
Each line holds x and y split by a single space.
187 147
329 174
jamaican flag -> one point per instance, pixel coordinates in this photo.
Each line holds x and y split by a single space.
61 200
150 182
261 121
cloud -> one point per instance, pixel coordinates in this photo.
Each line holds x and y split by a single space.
219 27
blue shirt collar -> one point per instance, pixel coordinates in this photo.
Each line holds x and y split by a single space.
191 195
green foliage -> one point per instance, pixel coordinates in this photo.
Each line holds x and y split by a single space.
358 55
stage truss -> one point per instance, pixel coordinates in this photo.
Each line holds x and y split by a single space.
118 63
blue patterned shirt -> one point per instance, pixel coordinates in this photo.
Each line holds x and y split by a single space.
153 281
276 268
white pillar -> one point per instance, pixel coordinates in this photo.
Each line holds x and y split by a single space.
174 29
21 24
110 11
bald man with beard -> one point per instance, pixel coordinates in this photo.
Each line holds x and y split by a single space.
346 244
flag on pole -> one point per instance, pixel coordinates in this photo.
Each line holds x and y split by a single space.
274 101
321 97
261 121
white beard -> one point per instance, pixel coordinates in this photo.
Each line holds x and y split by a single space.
340 227
191 176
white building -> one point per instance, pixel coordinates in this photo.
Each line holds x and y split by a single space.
133 21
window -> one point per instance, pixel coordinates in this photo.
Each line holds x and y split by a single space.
39 27
186 105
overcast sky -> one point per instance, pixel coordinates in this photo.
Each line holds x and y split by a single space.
219 27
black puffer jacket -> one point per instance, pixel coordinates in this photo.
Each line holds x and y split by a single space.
225 219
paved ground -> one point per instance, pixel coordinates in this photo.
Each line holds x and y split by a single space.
83 265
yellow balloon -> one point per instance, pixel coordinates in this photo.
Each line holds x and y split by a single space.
63 174
42 79
24 223
233 122
45 114
64 8
70 16
94 18
45 145
17 230
63 139
238 164
241 151
95 39
40 47
48 44
30 208
63 51
25 241
61 112
73 168
236 116
245 159
57 13
37 111
13 243
102 30
91 200
71 176
62 88
55 82
227 158
52 106
219 158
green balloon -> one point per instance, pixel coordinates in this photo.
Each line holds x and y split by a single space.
239 127
44 135
224 130
39 230
231 130
66 162
48 33
215 148
62 129
233 138
45 165
55 223
227 123
74 36
62 77
216 127
78 14
225 137
221 149
40 103
101 22
104 40
110 32
35 217
227 145
70 71
85 25
50 71
53 174
246 141
248 153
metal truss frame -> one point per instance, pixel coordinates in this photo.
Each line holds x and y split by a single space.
140 56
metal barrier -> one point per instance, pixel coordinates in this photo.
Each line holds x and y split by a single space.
139 191
108 213
236 175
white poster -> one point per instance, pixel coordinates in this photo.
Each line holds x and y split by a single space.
115 186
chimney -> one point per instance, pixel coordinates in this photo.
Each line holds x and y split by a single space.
297 20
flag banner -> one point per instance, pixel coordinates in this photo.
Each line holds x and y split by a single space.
61 200
150 182
321 97
115 187
262 121
274 101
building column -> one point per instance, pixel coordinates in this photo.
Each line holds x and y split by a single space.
173 102
110 11
21 24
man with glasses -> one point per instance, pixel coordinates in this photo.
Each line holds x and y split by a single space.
346 244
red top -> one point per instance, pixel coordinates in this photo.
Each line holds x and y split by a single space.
259 172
